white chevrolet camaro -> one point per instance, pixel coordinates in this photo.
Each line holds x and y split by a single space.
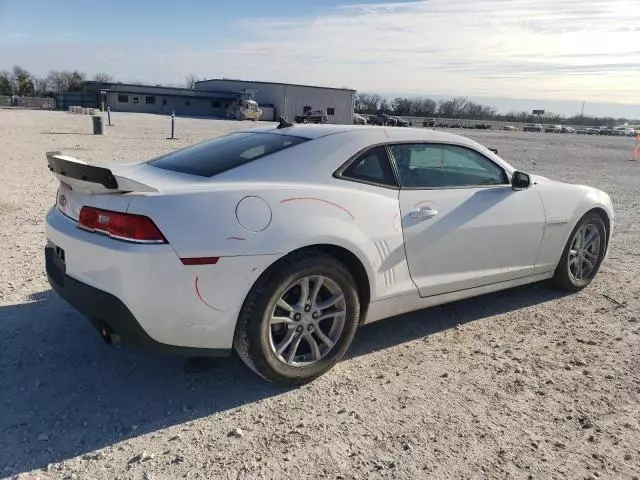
280 241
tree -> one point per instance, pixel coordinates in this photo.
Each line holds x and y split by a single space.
190 81
6 85
103 77
57 81
22 82
41 87
453 108
75 81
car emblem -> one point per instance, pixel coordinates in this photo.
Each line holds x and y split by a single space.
63 200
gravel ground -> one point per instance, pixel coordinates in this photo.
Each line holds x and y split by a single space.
526 383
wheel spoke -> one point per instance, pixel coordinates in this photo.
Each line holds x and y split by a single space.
330 302
578 274
590 240
315 349
316 290
337 313
590 255
588 263
323 338
284 305
275 320
304 292
580 236
281 347
294 348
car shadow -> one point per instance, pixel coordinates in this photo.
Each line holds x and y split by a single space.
64 392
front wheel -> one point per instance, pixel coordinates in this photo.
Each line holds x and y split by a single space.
582 254
299 318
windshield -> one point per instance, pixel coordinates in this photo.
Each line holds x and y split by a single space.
215 156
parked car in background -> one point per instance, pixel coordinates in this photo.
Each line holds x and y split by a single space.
624 132
430 122
582 131
390 121
384 119
359 119
605 130
566 129
592 131
510 128
190 253
312 116
533 127
553 129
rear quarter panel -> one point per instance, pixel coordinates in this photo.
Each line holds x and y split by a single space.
361 218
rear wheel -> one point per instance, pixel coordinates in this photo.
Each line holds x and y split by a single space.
299 318
582 254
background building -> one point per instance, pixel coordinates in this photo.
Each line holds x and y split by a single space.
289 99
125 97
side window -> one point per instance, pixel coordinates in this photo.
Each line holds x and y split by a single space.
371 166
445 166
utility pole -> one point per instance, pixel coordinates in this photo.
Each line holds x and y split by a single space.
582 113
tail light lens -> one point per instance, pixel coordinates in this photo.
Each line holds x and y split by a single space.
121 226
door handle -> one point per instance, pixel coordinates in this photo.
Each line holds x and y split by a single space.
423 213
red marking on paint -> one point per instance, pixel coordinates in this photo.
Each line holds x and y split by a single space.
320 200
236 238
202 299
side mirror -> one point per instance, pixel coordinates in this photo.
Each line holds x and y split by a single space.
520 181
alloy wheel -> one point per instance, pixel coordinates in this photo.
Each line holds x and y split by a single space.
307 320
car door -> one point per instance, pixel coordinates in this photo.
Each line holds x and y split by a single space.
463 224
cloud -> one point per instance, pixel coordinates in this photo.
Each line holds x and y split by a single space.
586 49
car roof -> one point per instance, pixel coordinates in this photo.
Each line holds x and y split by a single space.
400 134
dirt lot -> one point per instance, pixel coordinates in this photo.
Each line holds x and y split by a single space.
527 383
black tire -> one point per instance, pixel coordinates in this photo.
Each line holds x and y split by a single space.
562 278
251 340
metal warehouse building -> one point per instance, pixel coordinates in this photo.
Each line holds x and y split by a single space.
289 99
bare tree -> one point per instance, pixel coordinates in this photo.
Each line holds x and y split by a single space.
41 87
190 81
103 77
57 81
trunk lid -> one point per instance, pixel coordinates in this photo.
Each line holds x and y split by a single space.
112 187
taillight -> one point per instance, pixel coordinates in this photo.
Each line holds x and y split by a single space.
122 226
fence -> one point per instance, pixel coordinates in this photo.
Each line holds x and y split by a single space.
45 103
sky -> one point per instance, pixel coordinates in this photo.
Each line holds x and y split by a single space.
513 54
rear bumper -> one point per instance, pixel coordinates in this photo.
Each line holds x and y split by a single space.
102 309
144 292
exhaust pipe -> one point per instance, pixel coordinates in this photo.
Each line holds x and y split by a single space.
108 335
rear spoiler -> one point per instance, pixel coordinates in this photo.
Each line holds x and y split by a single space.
87 178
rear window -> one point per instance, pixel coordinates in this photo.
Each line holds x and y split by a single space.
215 156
